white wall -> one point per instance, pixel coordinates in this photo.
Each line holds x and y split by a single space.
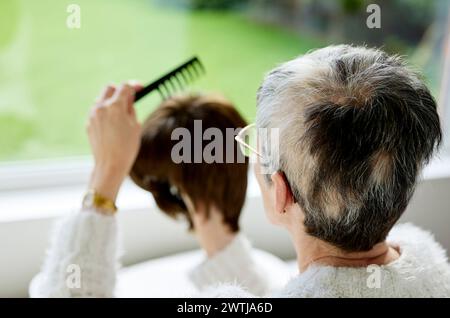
147 233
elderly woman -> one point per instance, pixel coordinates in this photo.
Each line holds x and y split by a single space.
356 127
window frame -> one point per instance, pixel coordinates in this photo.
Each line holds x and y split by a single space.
444 91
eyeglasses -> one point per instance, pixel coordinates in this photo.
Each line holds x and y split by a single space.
247 140
248 143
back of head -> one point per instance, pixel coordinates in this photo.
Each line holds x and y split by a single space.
356 128
220 183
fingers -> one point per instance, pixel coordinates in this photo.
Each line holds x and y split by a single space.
107 93
136 85
123 92
123 98
118 99
125 89
95 115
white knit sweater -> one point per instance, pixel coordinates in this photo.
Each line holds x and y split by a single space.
239 263
89 241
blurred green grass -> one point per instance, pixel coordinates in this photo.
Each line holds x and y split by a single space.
50 74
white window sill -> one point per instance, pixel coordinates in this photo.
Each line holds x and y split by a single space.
49 189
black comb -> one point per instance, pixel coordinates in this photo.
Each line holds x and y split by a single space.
174 80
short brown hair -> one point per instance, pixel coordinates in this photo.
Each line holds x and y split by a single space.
222 185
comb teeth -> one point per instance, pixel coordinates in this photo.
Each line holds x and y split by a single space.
175 80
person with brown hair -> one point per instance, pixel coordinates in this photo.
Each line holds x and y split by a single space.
208 190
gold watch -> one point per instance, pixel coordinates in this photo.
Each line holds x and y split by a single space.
101 204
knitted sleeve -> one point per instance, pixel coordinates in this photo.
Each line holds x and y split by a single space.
82 260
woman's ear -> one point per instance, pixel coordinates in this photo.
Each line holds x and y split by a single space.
282 193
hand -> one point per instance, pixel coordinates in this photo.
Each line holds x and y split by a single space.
114 135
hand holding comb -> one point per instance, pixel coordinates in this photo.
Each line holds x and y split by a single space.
175 80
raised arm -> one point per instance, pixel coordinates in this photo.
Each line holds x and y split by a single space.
82 259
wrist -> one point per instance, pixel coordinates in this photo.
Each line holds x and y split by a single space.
106 180
101 204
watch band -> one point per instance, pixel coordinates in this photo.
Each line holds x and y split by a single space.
98 202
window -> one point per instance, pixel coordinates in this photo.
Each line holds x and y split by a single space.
51 70
444 100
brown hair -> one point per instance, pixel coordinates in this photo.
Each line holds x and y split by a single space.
222 185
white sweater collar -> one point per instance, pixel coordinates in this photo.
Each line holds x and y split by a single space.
421 270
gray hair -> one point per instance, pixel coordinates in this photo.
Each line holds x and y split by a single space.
356 126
